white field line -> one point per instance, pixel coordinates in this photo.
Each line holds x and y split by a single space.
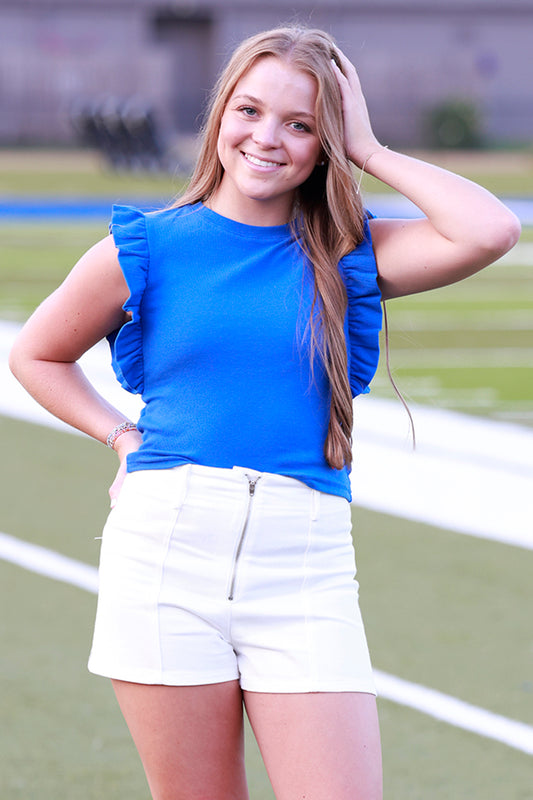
463 358
467 475
446 708
403 322
521 255
17 403
48 563
456 712
395 205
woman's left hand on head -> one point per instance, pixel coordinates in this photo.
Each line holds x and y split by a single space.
360 140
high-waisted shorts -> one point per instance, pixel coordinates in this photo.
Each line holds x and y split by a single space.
211 575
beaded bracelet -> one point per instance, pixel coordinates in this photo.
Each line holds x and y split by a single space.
124 427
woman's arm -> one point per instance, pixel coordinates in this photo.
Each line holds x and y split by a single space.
81 312
465 227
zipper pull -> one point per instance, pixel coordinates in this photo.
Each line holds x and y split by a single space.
251 486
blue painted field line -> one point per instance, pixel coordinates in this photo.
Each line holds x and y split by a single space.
31 209
35 209
443 707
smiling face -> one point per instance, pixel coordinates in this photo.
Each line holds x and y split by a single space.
268 143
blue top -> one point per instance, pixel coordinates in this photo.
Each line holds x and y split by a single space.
218 347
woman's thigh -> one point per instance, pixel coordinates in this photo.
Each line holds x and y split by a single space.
319 745
190 738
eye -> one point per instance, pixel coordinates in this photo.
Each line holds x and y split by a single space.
300 126
248 111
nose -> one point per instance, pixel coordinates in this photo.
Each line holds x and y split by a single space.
266 133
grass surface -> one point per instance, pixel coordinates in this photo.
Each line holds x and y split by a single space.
77 173
467 347
35 258
449 611
406 570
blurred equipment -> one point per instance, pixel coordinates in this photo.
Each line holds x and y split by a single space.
124 131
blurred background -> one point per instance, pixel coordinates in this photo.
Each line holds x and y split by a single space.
448 74
100 103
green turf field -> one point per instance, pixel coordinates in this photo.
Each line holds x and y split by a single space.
448 611
445 610
468 347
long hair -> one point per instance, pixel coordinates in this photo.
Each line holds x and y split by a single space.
328 215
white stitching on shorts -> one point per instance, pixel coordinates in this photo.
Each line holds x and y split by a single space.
315 504
185 468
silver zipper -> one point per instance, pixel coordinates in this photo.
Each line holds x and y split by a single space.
251 491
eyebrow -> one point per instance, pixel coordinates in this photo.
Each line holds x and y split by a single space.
256 101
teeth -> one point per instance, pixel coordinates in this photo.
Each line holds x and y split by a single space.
260 162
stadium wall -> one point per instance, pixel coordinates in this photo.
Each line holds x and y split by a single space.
57 56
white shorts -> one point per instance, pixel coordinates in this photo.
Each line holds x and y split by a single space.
210 575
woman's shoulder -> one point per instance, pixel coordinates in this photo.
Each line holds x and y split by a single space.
148 231
152 216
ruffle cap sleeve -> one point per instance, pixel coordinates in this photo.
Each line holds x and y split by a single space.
364 316
128 228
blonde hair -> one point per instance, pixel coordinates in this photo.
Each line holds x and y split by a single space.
328 215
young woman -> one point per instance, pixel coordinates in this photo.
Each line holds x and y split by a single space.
248 316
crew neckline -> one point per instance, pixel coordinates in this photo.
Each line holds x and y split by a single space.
242 229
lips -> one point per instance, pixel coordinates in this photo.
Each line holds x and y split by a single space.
260 162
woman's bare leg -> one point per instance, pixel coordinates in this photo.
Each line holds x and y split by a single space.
190 738
319 746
